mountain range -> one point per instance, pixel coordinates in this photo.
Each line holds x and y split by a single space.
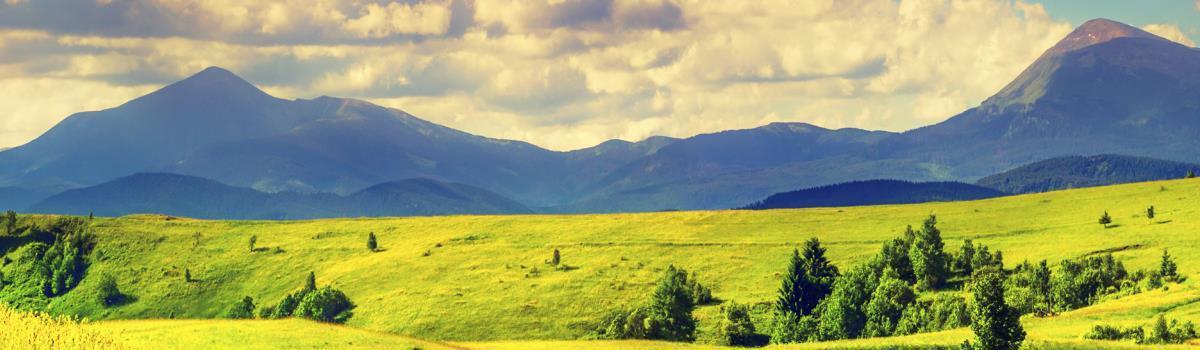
1105 88
1085 171
875 192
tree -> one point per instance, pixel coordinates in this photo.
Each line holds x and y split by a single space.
963 262
310 283
887 304
736 329
1162 332
1167 268
841 315
556 259
1190 174
372 245
241 309
670 311
820 271
325 305
286 306
107 292
253 240
1105 219
1044 304
997 326
894 255
187 275
927 255
1150 212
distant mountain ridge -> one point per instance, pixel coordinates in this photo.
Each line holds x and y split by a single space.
190 196
1105 88
1085 171
875 192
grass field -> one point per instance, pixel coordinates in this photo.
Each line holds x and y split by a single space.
481 281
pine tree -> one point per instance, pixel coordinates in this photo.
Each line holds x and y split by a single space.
187 275
1040 286
928 257
372 245
792 303
1167 268
1150 212
1105 219
253 240
1190 174
310 283
997 326
820 272
10 222
556 259
966 255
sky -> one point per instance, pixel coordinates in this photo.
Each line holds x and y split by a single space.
559 74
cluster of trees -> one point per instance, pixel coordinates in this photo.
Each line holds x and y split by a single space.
1164 332
324 304
667 315
49 258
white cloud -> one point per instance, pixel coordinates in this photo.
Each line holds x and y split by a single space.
33 105
561 74
1170 32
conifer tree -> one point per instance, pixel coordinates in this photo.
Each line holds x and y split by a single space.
372 245
928 257
1167 268
997 325
1105 219
556 258
253 240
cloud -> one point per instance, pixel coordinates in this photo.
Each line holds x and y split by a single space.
559 74
1170 32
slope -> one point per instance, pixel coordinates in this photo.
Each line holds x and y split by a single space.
875 192
1080 171
483 277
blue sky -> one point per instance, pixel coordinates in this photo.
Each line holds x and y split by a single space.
1183 13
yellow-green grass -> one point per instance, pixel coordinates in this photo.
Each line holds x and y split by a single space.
478 285
253 334
37 331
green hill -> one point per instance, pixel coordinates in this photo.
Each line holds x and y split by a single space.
468 279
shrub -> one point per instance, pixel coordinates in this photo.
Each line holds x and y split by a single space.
736 329
372 244
1105 219
887 304
325 305
241 309
253 240
556 258
1150 212
107 292
668 315
1106 332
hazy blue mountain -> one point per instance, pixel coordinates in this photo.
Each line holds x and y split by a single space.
875 192
16 198
1085 171
196 197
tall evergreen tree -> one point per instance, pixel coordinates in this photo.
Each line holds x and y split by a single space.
372 244
1167 268
310 283
10 222
966 256
928 257
997 326
1040 286
820 272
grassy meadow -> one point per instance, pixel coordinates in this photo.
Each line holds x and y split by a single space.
483 281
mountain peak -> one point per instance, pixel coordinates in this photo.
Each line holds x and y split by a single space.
1094 32
212 81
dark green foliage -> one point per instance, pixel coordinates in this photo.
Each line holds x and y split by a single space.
934 314
107 293
1167 268
325 305
310 283
964 262
286 306
1027 289
187 275
894 256
809 279
253 240
841 315
556 258
1078 283
1106 332
241 309
1150 212
1105 219
1170 332
886 305
668 315
875 192
1083 171
50 259
701 294
996 325
372 244
1190 174
928 257
736 329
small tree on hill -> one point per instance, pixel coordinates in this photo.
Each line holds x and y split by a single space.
372 245
241 309
556 258
928 257
670 310
187 275
1105 219
1190 174
1167 268
310 283
253 240
1150 212
325 305
997 325
10 222
107 292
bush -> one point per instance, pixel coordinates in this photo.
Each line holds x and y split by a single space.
241 309
372 244
1106 332
667 317
1105 219
736 329
996 325
325 305
107 292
